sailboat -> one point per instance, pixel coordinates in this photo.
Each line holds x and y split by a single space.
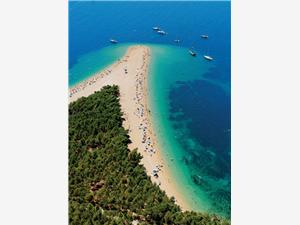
208 57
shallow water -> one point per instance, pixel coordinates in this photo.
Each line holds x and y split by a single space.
95 61
192 121
189 96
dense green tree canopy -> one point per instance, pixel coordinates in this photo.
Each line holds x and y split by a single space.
107 185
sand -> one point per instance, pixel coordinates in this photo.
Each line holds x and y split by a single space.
130 74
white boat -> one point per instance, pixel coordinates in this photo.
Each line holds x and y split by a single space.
204 36
113 41
192 53
161 32
208 57
177 40
155 28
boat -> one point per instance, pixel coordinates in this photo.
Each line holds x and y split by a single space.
177 40
209 58
161 32
113 41
204 36
193 53
155 28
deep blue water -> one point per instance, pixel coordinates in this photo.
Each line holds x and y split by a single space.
92 24
199 107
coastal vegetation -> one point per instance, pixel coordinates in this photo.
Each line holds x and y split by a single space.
107 183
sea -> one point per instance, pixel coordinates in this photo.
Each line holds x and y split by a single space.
190 97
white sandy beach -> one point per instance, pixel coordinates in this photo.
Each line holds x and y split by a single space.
130 74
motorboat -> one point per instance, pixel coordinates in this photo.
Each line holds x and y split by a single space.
193 53
113 41
161 32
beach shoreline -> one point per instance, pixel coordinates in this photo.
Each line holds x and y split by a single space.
131 73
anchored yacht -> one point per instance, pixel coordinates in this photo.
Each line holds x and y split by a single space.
193 53
209 58
161 32
113 41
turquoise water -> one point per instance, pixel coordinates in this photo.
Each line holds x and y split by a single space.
189 97
95 61
191 159
202 176
169 65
